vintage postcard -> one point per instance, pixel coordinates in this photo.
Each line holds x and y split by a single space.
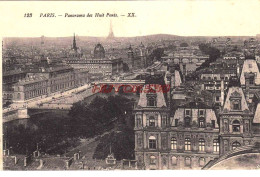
130 85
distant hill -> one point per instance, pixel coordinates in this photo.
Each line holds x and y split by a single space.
83 40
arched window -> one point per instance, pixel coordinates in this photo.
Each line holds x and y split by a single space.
201 122
173 143
152 142
153 160
236 126
235 145
216 145
187 144
187 161
174 160
151 121
201 145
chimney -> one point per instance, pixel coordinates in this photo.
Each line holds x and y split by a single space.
6 152
76 156
83 166
68 163
35 154
41 162
15 160
25 161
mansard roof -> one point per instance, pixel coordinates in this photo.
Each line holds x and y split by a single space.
250 66
195 105
159 98
257 114
235 92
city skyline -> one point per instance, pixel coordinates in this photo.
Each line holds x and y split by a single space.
188 18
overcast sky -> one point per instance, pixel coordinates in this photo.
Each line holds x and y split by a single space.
186 18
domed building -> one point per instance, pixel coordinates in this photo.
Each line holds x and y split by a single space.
99 51
99 64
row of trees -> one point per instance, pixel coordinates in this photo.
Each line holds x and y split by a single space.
55 133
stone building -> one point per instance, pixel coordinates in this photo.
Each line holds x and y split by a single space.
236 122
10 78
250 79
137 57
99 63
47 81
186 141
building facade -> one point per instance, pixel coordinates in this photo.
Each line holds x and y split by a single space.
236 122
188 140
47 81
99 64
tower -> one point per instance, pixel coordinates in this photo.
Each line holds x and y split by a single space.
111 33
74 45
130 55
143 55
235 121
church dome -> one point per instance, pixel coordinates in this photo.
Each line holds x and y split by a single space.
99 51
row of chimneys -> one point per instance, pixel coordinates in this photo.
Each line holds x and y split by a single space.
35 154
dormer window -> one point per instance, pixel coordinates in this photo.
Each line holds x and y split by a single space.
236 105
187 113
235 100
151 100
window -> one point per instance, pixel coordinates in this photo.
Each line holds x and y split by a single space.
236 126
151 121
187 161
174 160
217 98
187 122
235 145
201 145
201 113
152 142
251 80
152 160
139 120
236 105
176 122
173 143
187 144
187 112
215 145
18 96
201 122
213 123
164 120
151 101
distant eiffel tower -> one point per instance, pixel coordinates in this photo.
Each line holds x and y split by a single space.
111 33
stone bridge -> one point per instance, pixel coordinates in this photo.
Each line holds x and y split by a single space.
127 86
